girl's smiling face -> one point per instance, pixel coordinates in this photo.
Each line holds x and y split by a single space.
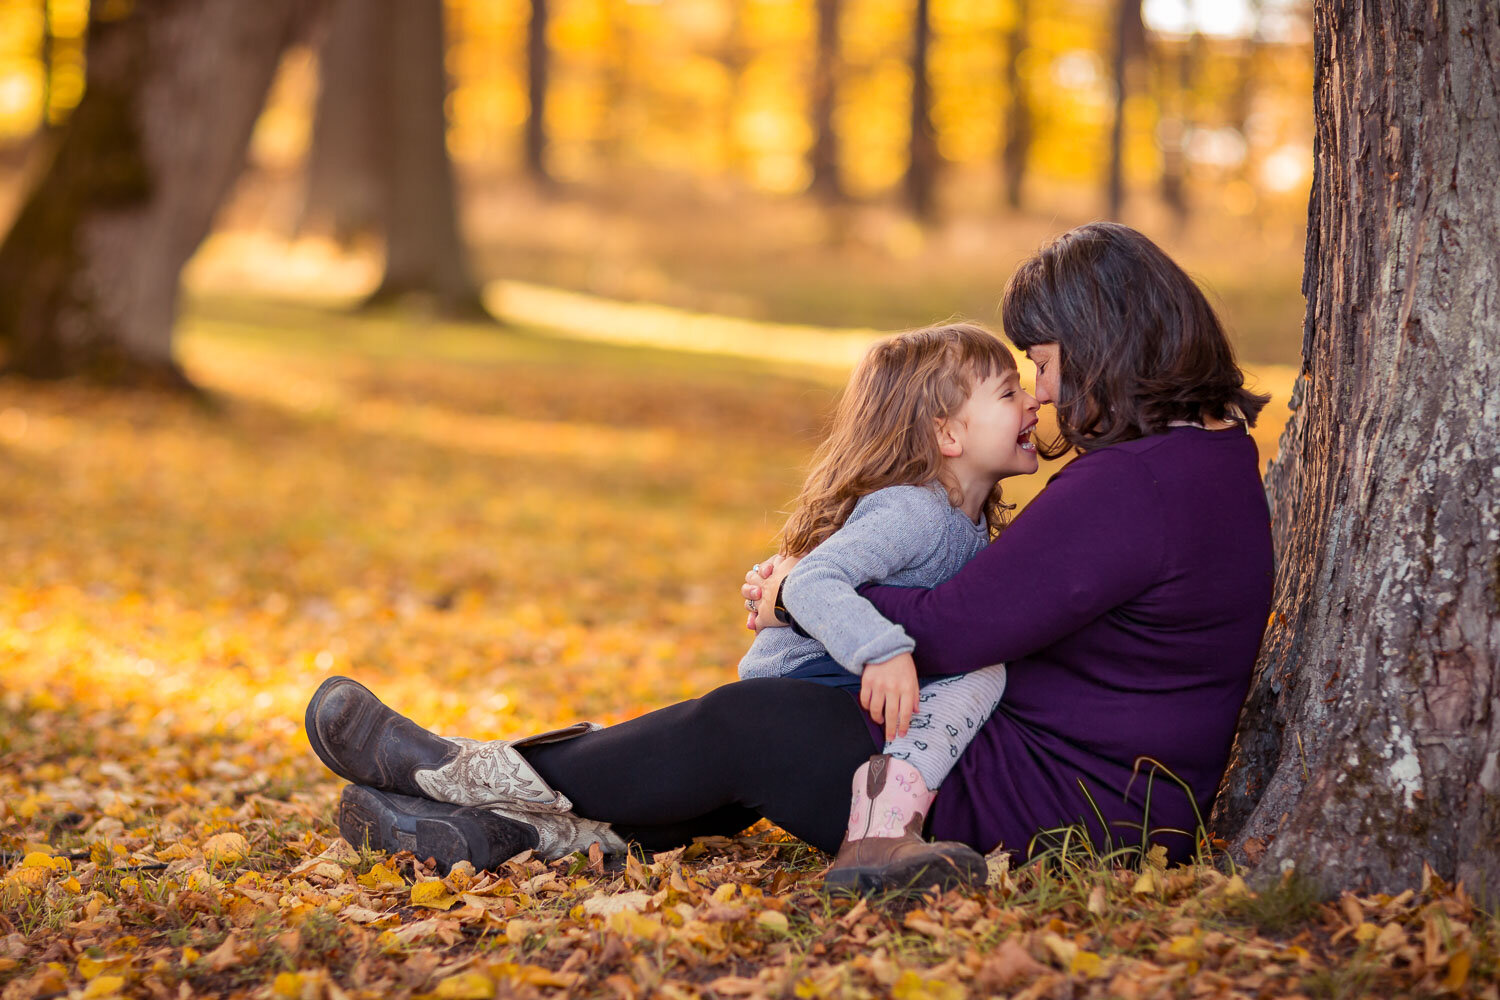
994 429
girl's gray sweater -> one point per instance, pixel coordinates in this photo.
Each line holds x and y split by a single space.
905 535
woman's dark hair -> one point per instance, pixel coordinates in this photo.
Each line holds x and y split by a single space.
1138 344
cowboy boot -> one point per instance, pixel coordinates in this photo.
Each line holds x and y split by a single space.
363 741
884 850
485 838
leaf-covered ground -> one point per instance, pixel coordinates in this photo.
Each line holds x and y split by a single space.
498 534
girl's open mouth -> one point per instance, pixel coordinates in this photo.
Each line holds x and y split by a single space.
1024 439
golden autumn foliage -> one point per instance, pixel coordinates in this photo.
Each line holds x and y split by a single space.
499 533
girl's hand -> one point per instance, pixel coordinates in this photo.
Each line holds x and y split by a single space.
765 616
888 692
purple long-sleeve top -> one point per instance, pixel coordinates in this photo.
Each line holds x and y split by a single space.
1128 599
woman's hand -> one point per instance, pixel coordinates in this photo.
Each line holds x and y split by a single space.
768 587
889 693
755 582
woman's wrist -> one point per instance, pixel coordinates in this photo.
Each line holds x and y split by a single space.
785 616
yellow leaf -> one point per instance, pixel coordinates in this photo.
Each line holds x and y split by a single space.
1096 900
1145 885
1086 963
104 986
773 920
226 848
381 877
1185 946
536 975
91 968
36 859
911 986
724 893
176 852
1458 969
70 884
517 931
1236 887
1366 933
189 955
471 985
433 894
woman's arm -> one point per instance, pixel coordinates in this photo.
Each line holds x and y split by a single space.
1090 541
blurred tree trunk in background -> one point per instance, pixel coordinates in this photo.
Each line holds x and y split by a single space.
345 194
89 273
1129 44
1176 122
922 153
825 151
734 54
425 256
1015 147
1242 98
47 58
537 66
1370 742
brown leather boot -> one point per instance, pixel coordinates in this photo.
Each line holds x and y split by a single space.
884 850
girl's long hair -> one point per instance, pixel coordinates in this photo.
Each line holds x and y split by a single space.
885 427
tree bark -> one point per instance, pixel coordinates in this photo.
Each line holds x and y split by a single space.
345 193
824 156
89 273
1130 40
1015 150
425 255
1371 739
922 155
537 68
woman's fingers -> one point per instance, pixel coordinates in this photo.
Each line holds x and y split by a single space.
750 592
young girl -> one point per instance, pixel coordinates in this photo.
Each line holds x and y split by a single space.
904 491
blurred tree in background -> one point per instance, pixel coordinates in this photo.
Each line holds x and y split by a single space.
408 123
378 161
89 271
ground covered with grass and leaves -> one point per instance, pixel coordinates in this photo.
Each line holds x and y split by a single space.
499 533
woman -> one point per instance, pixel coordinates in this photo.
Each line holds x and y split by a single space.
1128 601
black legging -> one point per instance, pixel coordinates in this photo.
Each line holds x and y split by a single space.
774 747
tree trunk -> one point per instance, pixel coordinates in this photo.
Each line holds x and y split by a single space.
922 158
1176 124
1130 40
1371 739
425 255
89 272
345 194
537 66
48 57
825 152
1015 151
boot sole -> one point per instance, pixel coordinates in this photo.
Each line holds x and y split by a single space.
368 819
918 876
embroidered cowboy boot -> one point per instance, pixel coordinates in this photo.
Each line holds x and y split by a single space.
883 849
485 837
363 741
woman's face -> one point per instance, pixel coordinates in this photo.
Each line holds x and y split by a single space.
1044 356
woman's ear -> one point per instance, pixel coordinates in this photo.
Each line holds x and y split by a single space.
950 445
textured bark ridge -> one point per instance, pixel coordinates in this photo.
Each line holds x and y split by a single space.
89 272
1371 739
